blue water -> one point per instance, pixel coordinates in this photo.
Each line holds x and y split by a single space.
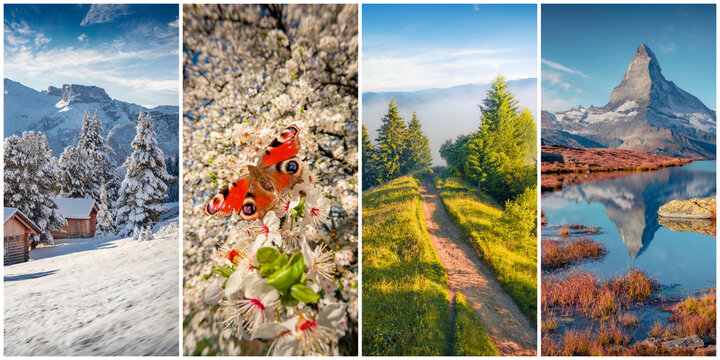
625 210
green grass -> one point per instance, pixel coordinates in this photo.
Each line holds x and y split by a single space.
513 259
405 296
470 334
405 293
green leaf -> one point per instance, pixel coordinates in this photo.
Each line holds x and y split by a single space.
225 271
266 255
304 294
297 264
287 300
280 262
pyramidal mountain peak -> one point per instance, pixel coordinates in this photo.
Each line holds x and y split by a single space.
646 112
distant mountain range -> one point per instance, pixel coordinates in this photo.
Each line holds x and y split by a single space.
58 113
646 112
444 112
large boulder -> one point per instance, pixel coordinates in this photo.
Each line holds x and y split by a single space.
696 208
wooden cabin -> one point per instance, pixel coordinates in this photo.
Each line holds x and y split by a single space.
17 231
80 215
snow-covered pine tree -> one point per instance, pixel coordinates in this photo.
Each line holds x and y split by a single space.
77 179
391 143
144 188
101 156
105 220
30 178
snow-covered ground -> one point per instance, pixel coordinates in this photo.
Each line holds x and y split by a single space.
96 297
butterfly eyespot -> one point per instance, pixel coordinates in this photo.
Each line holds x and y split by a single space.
249 209
292 167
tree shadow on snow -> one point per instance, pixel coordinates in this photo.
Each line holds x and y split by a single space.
29 276
69 246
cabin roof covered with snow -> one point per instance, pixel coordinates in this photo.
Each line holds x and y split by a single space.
9 212
76 208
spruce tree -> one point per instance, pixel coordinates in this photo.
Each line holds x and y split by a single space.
391 143
105 220
144 189
101 156
369 159
77 176
30 177
502 158
417 155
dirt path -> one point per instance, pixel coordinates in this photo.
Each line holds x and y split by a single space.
508 329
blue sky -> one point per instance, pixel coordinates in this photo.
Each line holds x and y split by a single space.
413 47
586 49
129 50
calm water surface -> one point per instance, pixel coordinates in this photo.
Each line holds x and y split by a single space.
625 210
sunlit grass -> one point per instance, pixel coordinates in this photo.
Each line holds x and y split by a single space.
513 260
405 296
471 338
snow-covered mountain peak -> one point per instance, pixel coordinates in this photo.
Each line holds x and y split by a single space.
646 112
74 93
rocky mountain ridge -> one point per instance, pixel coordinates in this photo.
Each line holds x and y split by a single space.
58 112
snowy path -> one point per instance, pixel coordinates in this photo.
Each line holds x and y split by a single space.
96 297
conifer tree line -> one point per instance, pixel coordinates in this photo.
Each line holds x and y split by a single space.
401 148
88 170
500 157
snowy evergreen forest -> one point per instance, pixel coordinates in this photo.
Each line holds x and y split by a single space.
129 203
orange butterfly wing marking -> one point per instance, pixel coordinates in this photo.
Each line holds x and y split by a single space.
282 181
229 199
280 153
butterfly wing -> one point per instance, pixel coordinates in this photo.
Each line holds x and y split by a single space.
229 199
253 196
284 147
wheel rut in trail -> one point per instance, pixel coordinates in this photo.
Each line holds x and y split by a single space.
508 329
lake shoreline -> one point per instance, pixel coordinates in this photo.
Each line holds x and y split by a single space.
562 166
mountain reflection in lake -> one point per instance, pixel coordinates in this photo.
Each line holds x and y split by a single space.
626 211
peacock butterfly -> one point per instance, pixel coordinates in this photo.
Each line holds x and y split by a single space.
254 195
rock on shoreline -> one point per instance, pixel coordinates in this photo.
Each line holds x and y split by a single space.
696 208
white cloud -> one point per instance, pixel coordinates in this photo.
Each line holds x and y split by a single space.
82 37
427 67
40 40
551 102
175 23
17 34
104 13
555 78
560 67
669 47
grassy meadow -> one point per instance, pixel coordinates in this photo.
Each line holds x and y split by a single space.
405 293
513 259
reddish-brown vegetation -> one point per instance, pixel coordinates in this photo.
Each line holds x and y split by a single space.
582 165
560 253
695 315
583 291
601 159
